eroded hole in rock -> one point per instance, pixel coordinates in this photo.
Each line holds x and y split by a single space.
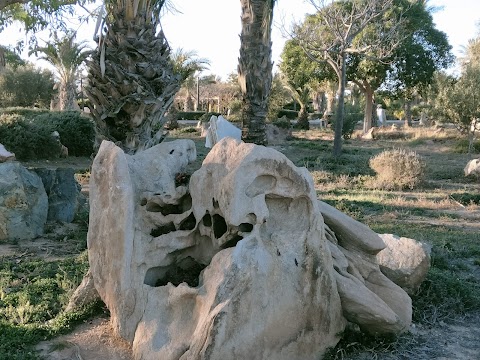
245 227
162 230
143 202
189 223
215 204
153 207
219 226
207 220
232 242
186 270
184 204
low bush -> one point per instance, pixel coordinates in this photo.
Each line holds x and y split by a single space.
76 131
397 169
28 134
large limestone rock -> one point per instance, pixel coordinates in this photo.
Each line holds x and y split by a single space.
404 261
63 193
23 203
250 220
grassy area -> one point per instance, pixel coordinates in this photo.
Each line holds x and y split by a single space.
442 211
34 291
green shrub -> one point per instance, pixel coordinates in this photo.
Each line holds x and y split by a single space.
29 136
206 116
190 115
352 115
282 123
397 169
290 114
462 146
27 113
76 131
27 140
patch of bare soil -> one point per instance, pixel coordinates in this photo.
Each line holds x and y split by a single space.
93 340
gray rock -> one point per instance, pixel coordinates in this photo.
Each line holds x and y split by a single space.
63 193
23 203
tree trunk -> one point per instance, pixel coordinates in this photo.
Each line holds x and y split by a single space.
367 122
408 112
303 118
337 141
68 97
131 83
255 68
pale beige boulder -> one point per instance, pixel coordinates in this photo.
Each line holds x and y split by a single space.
369 298
351 234
249 218
472 167
405 261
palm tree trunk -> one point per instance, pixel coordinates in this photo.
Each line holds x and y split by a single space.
131 83
255 67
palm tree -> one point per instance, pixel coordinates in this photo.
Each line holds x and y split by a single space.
132 79
255 67
66 56
189 66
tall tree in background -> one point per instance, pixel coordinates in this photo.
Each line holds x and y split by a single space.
335 32
422 51
132 79
255 67
302 77
66 56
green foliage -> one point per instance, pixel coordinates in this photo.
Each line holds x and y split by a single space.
290 114
76 131
26 86
352 115
191 115
466 198
33 294
282 123
463 146
398 169
206 116
29 135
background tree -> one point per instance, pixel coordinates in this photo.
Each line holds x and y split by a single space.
66 56
335 32
302 76
189 66
423 51
132 79
26 86
35 15
255 67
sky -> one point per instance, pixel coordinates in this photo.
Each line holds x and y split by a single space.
211 28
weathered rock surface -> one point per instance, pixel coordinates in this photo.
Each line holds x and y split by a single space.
23 203
84 294
63 193
404 261
369 298
240 262
472 167
251 222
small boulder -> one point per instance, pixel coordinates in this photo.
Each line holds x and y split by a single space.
5 155
23 203
63 193
404 261
472 167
